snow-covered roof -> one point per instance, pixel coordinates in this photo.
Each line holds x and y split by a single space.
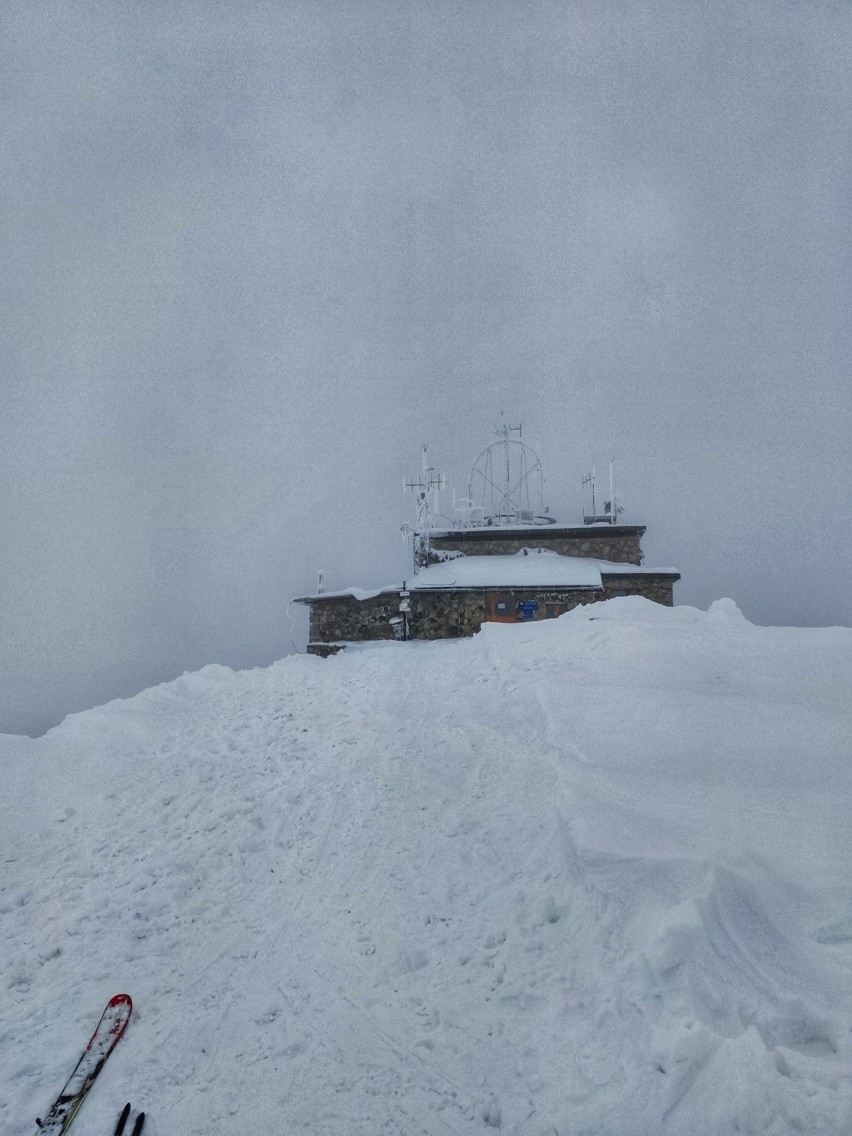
530 568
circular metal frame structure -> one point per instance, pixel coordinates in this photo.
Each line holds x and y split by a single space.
505 485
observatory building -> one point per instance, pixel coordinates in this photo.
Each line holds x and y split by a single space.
501 557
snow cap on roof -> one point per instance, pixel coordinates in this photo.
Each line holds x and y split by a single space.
529 568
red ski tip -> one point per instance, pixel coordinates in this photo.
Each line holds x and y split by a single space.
108 1031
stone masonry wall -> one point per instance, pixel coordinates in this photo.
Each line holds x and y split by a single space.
344 617
660 589
450 615
600 543
444 615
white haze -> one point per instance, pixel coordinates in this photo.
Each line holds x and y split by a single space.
255 255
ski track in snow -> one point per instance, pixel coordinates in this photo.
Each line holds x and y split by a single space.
589 876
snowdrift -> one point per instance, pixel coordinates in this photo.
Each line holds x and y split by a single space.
587 876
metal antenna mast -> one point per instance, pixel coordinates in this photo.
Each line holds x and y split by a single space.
425 489
611 507
503 432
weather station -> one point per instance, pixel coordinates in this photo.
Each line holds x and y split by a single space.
496 554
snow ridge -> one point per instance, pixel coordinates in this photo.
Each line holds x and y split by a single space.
589 875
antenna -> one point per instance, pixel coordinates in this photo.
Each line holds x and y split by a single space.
503 432
611 507
425 489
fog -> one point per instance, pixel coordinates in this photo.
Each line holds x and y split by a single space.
255 255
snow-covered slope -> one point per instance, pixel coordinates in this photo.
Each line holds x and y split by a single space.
592 875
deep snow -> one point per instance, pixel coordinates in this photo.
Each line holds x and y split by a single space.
586 876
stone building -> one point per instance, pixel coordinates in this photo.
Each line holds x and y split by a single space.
503 560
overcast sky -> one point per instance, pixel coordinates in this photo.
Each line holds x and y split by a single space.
255 254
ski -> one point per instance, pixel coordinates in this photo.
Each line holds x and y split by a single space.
107 1033
122 1120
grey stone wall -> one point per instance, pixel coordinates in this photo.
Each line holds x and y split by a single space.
444 615
621 545
344 617
450 615
660 589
